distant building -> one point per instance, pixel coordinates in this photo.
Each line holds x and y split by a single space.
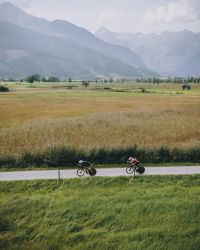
186 87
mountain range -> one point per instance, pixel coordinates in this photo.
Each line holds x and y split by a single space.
168 53
30 45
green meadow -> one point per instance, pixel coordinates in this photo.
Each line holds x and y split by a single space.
101 213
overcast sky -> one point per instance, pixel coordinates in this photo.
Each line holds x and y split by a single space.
119 15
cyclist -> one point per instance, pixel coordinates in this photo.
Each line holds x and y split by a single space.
86 167
134 166
133 161
84 163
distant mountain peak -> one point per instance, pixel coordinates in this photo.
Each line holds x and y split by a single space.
177 32
169 53
7 6
60 21
9 12
31 44
64 23
103 29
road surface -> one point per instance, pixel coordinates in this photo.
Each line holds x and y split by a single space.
67 174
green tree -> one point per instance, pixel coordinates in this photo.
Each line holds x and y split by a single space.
111 80
85 83
33 78
70 80
53 79
43 79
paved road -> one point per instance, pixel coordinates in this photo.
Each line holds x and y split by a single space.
67 174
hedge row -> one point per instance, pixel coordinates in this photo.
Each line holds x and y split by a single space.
66 157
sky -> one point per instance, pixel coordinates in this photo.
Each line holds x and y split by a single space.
146 16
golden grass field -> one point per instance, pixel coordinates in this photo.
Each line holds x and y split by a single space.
34 119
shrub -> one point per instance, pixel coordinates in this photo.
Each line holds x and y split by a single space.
85 83
68 157
6 225
3 88
7 161
62 156
143 90
160 155
30 160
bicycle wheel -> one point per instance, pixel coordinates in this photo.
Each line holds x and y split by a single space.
80 172
140 169
129 170
92 172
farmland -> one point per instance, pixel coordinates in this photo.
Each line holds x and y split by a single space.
37 117
55 125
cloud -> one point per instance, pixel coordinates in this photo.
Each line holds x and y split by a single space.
117 15
177 11
110 16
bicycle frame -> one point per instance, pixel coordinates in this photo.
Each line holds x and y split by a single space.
133 168
86 168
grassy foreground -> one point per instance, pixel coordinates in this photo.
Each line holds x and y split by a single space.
101 213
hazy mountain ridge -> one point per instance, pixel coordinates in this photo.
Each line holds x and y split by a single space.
67 31
81 36
74 51
46 55
191 67
167 52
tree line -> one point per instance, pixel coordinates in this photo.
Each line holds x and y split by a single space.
170 80
153 80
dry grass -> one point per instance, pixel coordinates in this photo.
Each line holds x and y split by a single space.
21 105
94 120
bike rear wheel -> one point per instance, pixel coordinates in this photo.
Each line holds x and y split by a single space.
92 172
80 172
129 170
140 169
